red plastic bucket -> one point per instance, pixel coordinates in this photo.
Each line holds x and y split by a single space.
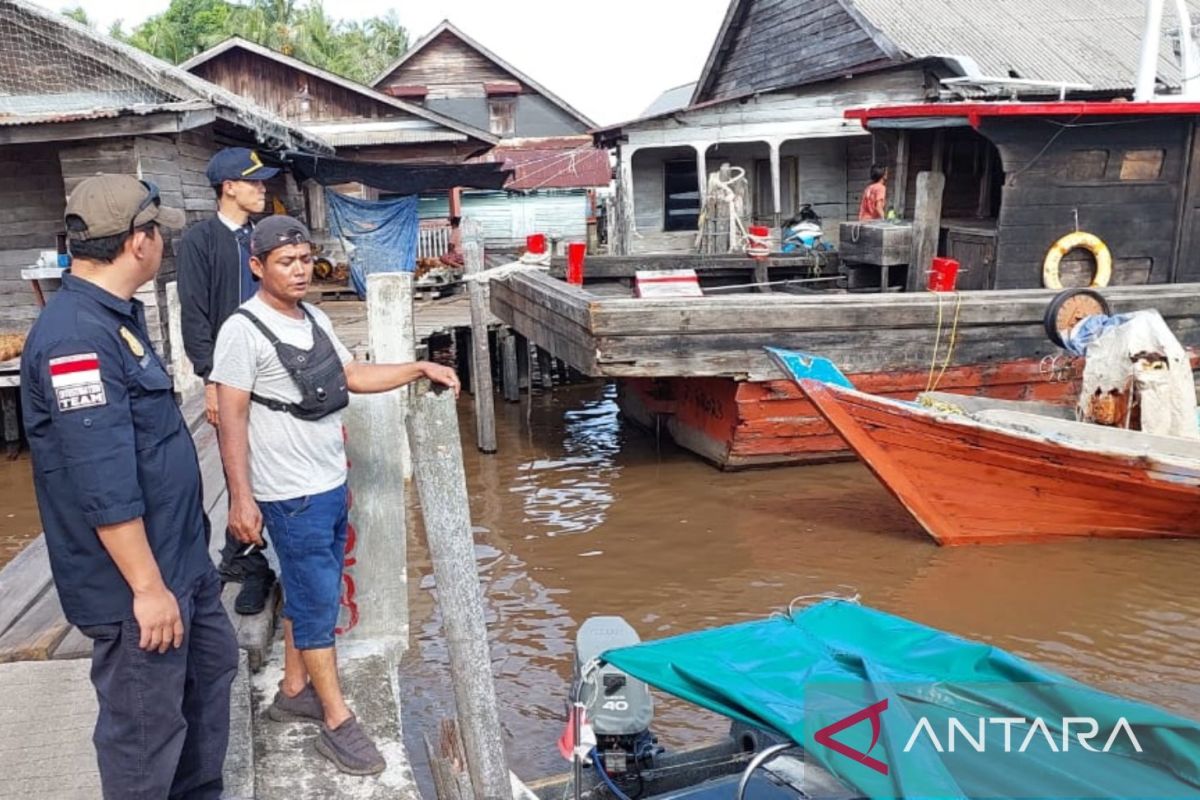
536 244
944 275
761 231
576 251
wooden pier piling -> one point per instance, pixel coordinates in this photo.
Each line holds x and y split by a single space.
545 369
442 487
508 366
481 378
523 379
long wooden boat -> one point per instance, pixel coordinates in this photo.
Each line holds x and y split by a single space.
1015 180
976 470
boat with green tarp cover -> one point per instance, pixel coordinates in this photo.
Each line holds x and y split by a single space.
900 710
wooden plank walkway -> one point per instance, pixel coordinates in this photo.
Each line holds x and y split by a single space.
32 625
431 317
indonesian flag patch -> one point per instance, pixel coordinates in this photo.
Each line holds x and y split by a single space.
76 382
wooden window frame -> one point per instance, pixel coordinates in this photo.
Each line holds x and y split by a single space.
502 115
668 227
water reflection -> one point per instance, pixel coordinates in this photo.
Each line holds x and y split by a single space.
571 491
580 515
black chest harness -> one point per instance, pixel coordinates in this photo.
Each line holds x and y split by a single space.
317 373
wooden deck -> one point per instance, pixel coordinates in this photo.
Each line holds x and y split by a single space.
431 317
603 335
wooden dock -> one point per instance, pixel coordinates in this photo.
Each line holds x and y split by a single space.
697 368
431 317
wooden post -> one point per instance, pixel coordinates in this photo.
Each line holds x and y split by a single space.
481 377
442 486
523 380
899 189
762 276
392 338
12 428
508 366
927 224
545 369
462 357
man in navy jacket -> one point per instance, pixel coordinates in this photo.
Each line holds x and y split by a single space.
214 279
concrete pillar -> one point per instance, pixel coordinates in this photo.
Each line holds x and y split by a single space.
391 337
776 183
375 580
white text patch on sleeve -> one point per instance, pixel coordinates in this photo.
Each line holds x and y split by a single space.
76 382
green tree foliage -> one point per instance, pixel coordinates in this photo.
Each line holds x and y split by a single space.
79 15
303 30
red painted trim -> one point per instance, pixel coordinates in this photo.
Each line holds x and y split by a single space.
69 367
973 112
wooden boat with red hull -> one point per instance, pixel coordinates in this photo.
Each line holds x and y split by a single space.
977 471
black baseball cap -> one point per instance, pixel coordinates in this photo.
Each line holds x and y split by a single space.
277 231
238 164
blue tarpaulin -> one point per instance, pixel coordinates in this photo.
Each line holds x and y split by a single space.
379 235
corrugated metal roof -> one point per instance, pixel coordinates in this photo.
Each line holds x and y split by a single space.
671 100
1083 41
558 163
163 82
365 132
88 113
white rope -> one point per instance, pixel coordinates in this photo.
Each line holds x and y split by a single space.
723 192
528 262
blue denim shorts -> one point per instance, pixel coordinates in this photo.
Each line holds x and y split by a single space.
309 536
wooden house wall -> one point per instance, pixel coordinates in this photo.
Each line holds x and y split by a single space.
1081 171
449 68
274 86
648 184
822 180
788 42
455 73
32 201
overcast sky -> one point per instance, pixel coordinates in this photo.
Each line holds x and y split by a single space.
608 60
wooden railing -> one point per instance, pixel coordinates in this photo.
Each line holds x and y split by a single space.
433 241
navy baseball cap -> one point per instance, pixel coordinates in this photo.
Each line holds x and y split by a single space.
238 164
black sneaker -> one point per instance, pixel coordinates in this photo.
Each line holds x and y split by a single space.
256 589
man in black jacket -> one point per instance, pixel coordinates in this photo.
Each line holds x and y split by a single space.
214 279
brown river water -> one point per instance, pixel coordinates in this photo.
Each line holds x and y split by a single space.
581 514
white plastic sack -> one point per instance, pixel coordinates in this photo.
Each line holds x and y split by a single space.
1166 389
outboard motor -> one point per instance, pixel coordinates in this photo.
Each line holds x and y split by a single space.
618 706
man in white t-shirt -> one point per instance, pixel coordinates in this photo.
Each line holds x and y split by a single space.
283 378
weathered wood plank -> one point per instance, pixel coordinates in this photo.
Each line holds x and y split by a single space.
22 581
37 632
615 317
927 225
73 645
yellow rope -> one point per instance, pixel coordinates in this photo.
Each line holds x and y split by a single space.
941 405
937 343
953 338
